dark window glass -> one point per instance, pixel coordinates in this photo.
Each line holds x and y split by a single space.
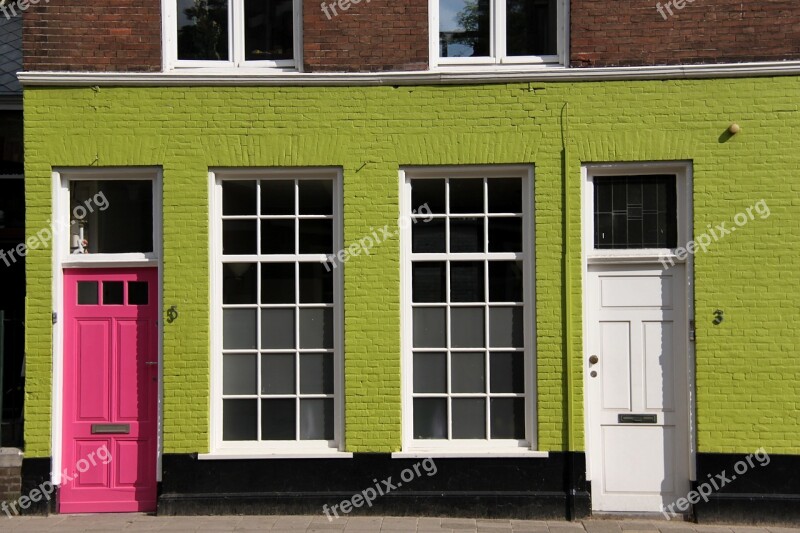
464 28
111 216
88 293
428 237
430 372
12 199
466 235
428 192
277 283
113 293
203 30
505 281
316 283
315 197
430 418
466 281
239 420
505 234
277 236
531 27
466 196
268 33
277 197
508 418
239 374
469 418
316 373
428 282
278 419
238 237
239 283
508 372
633 212
316 419
138 293
316 236
238 197
505 195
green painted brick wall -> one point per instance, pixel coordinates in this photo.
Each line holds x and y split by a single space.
747 368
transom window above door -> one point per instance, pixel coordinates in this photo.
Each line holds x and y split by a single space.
233 33
468 351
485 32
632 212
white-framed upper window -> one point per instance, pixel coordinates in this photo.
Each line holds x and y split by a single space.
468 310
635 210
497 32
232 33
277 311
108 215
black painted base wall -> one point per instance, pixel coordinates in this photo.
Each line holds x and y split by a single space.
35 472
766 494
505 487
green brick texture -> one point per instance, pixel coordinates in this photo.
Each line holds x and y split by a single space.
747 366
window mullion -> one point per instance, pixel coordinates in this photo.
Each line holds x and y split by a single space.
499 30
236 32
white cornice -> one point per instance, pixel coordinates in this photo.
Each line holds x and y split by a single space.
205 77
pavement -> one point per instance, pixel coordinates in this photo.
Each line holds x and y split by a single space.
356 524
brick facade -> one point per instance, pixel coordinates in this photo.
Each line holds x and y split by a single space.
373 35
702 31
379 35
100 35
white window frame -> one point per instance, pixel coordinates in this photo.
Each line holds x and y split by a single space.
497 36
220 449
683 200
236 46
469 447
62 213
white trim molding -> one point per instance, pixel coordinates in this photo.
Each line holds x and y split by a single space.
441 76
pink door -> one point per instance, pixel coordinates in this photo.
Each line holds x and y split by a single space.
110 390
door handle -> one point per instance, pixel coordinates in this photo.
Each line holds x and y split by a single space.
593 360
151 363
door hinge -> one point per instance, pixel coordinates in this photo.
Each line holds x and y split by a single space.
691 330
55 317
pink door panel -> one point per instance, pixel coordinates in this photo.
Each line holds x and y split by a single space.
110 390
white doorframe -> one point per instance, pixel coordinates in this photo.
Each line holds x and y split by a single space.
61 258
683 172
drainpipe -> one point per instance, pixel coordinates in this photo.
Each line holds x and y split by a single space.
570 475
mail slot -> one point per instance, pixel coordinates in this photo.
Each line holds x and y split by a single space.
102 429
637 419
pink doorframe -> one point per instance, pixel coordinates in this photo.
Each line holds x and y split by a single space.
110 384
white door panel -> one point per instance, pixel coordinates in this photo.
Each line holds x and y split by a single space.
638 441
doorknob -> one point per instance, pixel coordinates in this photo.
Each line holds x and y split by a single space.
593 359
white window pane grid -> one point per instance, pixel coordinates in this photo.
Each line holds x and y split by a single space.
483 257
297 351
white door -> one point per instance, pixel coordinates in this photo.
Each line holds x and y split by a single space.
637 385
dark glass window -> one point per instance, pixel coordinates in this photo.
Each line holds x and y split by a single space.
633 212
268 30
531 27
203 30
111 216
464 28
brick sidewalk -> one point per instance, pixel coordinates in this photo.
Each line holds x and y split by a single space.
308 524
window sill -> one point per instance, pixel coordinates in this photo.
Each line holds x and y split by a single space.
482 454
634 256
234 455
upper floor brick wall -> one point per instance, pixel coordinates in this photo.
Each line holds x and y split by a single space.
379 35
371 35
93 35
658 32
